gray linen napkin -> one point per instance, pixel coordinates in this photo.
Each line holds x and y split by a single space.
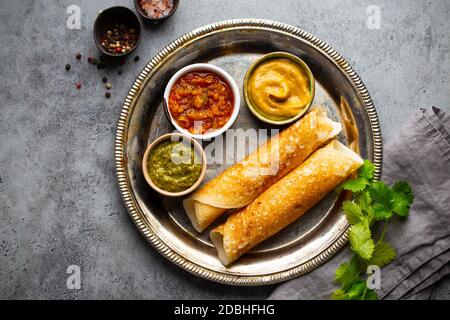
419 154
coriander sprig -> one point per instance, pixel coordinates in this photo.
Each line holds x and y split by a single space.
373 201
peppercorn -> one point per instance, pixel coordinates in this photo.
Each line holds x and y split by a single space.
101 65
119 72
136 59
104 79
78 56
89 59
108 86
78 85
119 39
67 67
108 95
94 61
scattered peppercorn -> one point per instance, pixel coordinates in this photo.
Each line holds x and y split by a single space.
119 72
78 85
108 86
108 95
101 65
136 59
78 56
67 67
119 39
89 59
104 79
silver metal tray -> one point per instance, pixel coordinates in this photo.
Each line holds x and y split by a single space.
233 45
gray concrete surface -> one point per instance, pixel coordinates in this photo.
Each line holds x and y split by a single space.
58 196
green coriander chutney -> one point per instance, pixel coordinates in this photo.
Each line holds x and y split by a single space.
174 166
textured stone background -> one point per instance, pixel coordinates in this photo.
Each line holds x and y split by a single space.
58 196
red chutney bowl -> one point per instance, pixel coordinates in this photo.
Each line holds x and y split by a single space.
225 77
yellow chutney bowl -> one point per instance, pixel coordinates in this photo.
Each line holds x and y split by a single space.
279 88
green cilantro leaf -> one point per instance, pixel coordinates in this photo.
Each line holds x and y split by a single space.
371 295
349 273
339 294
380 212
402 198
364 201
383 196
353 212
361 240
382 254
404 188
365 176
400 205
366 170
356 291
359 291
381 193
355 185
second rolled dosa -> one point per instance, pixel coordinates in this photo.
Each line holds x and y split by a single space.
285 201
238 185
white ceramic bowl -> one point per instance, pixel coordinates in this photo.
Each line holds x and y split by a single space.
221 73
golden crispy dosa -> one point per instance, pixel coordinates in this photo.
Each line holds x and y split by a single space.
240 184
285 201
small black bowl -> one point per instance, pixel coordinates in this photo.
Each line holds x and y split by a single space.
107 18
145 16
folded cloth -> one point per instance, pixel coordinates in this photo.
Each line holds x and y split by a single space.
432 272
419 154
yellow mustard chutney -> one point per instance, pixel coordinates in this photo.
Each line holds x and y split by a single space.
279 88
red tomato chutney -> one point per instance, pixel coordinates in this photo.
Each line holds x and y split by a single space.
201 102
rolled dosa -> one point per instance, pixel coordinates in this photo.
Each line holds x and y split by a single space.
240 184
285 201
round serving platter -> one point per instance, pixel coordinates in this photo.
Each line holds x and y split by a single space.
233 45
